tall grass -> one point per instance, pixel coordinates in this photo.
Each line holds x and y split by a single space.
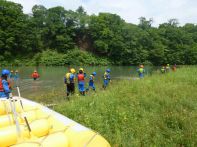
160 110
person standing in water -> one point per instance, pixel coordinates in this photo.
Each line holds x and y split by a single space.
141 71
35 75
69 80
91 82
16 77
11 75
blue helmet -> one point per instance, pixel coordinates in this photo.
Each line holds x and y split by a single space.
108 70
94 73
5 72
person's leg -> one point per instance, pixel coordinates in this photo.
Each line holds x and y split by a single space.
83 88
80 86
87 89
93 87
105 84
68 89
72 88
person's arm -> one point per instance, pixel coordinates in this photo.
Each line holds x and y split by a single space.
65 80
109 78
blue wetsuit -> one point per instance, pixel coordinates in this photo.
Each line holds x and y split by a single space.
91 83
81 81
106 79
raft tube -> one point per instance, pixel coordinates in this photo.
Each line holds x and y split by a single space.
48 128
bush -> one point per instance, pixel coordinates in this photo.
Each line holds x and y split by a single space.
73 57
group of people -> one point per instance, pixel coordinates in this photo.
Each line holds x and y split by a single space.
8 78
71 77
14 75
166 69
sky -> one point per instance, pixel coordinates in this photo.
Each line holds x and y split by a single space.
130 10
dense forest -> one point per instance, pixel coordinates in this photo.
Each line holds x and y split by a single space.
56 36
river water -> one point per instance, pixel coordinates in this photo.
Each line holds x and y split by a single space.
51 78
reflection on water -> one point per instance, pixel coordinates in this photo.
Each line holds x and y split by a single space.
51 78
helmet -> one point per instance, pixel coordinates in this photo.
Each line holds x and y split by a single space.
108 70
16 70
5 72
72 70
80 69
94 73
11 71
35 71
141 66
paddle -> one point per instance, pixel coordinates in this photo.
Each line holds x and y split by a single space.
13 109
25 118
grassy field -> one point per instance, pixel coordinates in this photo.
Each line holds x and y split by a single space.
160 110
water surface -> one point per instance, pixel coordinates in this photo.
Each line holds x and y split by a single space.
51 78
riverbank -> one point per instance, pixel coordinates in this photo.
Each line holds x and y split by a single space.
160 110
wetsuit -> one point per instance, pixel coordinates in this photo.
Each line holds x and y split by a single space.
69 80
106 80
81 82
91 83
141 72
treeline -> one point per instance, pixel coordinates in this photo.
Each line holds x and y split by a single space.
56 36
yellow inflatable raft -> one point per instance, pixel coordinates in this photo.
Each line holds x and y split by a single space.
47 127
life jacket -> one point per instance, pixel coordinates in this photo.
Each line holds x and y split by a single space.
70 77
1 85
67 75
92 78
80 77
35 75
141 70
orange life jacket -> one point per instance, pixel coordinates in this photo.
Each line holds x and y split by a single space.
35 75
1 85
80 77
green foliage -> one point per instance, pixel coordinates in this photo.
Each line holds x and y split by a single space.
73 57
157 111
107 35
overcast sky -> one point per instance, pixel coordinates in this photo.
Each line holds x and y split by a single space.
130 10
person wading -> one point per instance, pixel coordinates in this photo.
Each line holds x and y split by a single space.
69 80
35 75
5 87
